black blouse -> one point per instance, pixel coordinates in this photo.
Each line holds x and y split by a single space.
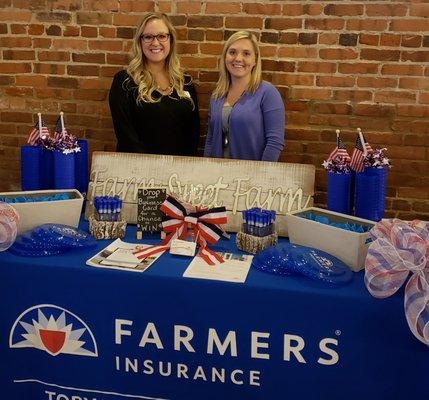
170 126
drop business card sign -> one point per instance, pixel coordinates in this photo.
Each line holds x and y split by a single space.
148 202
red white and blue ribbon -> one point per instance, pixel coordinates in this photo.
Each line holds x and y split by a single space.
401 248
204 222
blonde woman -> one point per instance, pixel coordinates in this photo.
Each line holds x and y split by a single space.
246 116
153 104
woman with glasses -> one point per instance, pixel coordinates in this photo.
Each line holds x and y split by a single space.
153 104
246 116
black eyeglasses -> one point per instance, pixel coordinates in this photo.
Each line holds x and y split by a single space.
161 37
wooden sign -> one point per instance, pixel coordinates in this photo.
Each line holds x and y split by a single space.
148 203
212 182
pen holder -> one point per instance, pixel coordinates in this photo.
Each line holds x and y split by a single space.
107 229
255 244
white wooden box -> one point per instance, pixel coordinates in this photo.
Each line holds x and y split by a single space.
350 247
32 214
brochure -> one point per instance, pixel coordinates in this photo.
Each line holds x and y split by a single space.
119 255
234 268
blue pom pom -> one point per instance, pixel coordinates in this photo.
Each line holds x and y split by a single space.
349 226
322 219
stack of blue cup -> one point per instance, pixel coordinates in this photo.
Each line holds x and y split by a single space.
81 167
43 169
46 169
64 170
30 167
339 188
370 193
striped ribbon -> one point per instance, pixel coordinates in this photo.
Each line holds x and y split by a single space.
401 248
9 218
204 222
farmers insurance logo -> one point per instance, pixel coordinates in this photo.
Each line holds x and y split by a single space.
53 329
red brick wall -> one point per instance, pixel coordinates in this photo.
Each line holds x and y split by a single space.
338 64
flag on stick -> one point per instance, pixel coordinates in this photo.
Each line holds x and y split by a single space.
361 150
60 130
40 131
64 141
340 151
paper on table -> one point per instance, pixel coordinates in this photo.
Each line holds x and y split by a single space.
119 255
183 247
234 269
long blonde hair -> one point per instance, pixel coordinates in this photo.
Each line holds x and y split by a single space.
224 81
139 71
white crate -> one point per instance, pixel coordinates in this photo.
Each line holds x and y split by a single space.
32 214
350 247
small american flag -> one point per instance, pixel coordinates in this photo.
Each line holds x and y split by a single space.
37 133
356 163
339 151
59 132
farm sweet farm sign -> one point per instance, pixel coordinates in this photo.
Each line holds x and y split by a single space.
235 184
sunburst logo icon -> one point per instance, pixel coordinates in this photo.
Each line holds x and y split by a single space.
52 329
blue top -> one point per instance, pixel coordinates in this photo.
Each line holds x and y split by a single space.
256 126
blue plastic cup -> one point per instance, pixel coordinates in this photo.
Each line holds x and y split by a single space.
81 167
46 169
370 193
339 185
64 170
30 167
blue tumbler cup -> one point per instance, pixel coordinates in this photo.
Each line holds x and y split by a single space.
30 167
46 169
370 193
64 170
339 185
81 167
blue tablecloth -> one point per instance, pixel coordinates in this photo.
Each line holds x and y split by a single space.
159 335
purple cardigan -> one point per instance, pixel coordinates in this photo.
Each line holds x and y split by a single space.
256 126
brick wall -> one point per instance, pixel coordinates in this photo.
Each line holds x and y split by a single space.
338 64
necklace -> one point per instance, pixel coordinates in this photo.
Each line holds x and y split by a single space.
169 87
165 91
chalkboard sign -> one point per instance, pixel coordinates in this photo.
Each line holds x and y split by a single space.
148 203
